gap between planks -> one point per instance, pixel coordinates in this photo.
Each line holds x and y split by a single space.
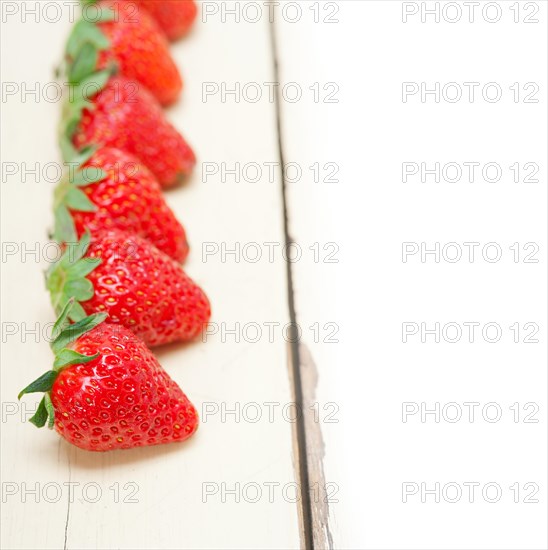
308 443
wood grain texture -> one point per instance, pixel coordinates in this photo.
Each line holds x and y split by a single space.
366 371
154 498
316 191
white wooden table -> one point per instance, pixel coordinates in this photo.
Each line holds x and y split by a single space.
343 203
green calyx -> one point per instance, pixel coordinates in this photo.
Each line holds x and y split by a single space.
64 333
69 195
66 279
85 80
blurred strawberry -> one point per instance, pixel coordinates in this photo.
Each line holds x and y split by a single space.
127 117
174 17
130 42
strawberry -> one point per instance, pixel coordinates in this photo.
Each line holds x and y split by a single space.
174 17
107 391
128 40
127 117
130 279
112 190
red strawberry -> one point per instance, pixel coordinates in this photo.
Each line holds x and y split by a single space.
174 17
126 117
107 391
137 285
112 190
130 40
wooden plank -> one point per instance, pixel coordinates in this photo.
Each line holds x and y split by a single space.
369 213
171 497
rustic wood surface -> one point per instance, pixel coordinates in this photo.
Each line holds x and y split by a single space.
347 213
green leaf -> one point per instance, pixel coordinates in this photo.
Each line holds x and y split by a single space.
50 409
89 87
70 120
42 384
84 64
81 289
106 15
73 332
84 155
77 313
79 95
65 231
78 200
79 99
41 415
68 151
76 38
68 357
75 251
86 32
88 175
82 246
63 319
67 128
83 267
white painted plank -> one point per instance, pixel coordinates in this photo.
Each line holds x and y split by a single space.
370 292
169 511
30 460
